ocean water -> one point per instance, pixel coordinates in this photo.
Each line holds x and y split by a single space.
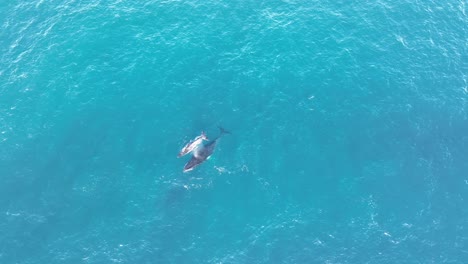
349 124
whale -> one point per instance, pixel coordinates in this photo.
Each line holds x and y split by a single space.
192 144
203 152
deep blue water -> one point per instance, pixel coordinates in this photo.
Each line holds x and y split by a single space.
349 124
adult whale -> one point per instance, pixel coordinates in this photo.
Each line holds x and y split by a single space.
203 152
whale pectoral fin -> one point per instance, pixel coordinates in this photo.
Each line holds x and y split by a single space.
203 135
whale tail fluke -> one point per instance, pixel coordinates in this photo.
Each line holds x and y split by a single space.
223 131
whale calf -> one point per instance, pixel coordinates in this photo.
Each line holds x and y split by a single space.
193 144
203 152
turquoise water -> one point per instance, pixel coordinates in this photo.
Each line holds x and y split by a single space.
349 124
